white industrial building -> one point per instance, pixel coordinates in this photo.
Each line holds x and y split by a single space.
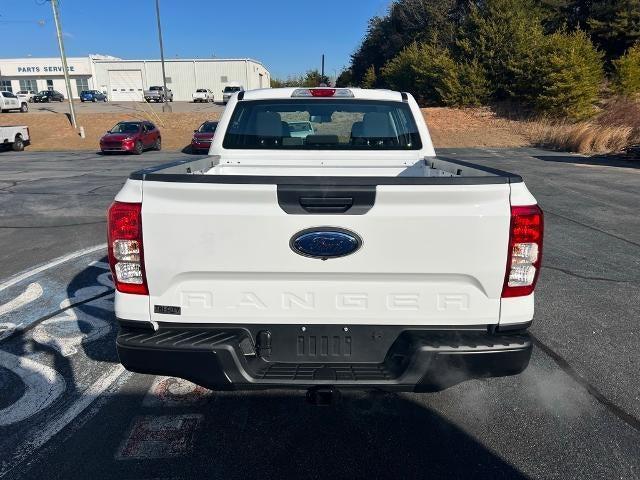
125 80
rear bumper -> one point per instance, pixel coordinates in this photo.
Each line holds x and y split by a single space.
231 357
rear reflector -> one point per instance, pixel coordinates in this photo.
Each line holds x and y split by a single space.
126 257
525 251
322 92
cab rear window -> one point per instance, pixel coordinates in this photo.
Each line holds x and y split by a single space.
329 124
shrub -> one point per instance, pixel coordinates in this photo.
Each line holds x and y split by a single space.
370 78
570 76
626 77
435 78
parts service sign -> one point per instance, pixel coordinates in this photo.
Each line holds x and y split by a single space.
45 69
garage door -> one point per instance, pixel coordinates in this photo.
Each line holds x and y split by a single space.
125 85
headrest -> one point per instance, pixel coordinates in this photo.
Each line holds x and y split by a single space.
268 124
376 125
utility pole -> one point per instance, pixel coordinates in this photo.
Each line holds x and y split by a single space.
165 107
322 71
63 57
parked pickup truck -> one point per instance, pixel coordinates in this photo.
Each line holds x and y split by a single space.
9 101
15 138
350 258
230 90
202 95
158 94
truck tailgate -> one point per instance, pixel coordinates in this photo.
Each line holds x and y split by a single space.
430 255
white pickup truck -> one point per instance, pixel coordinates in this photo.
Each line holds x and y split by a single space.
15 137
352 257
202 95
9 102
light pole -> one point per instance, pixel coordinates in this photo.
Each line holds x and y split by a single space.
63 57
165 107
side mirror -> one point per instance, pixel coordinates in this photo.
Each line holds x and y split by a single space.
108 131
195 131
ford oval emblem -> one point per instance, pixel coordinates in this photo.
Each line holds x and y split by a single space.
325 242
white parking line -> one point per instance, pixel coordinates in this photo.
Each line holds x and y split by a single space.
32 292
53 263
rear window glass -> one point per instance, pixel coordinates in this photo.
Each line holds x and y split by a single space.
325 124
231 89
208 127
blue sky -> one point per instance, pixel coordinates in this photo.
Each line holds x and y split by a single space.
288 36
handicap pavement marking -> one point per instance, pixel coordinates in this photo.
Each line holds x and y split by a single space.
166 392
61 305
162 436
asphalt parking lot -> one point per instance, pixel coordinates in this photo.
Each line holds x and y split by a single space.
119 107
69 410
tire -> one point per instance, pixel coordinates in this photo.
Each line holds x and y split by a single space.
24 108
104 99
138 149
94 100
81 101
18 144
157 144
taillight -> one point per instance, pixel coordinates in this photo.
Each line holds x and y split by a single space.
525 251
126 255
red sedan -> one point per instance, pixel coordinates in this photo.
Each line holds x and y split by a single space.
134 137
202 136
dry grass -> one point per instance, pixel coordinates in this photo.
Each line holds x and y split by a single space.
583 137
614 130
53 132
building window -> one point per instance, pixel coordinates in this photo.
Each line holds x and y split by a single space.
5 85
49 84
82 84
28 84
224 79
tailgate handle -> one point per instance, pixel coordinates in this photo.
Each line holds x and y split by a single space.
326 199
326 204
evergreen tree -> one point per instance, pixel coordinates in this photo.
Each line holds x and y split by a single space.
505 37
626 78
571 76
614 25
432 75
370 78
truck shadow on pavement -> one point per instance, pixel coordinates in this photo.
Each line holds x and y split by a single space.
270 434
603 160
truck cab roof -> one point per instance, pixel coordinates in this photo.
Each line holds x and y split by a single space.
290 92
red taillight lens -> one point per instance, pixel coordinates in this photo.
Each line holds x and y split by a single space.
126 256
525 251
323 92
